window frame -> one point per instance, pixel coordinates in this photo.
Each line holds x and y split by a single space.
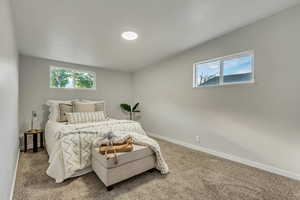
73 69
222 59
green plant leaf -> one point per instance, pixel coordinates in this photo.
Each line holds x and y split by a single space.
136 111
126 107
135 107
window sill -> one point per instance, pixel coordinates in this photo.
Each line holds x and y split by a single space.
74 88
226 84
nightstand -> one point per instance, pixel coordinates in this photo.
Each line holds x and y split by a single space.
34 134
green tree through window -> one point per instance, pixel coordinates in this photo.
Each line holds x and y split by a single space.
60 77
84 80
69 78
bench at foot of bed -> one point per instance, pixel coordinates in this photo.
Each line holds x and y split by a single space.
140 160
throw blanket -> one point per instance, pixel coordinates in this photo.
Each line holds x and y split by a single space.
77 141
138 139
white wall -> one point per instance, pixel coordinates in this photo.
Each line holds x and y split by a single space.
112 86
8 100
259 122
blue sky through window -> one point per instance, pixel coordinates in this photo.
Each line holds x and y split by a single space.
240 65
207 71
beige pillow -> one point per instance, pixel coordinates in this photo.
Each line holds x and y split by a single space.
85 117
63 109
100 105
83 107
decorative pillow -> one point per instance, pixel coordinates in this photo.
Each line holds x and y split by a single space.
54 108
63 109
84 117
83 107
99 105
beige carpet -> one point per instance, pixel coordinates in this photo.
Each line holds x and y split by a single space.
194 175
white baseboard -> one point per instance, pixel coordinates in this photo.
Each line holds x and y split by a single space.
251 163
14 177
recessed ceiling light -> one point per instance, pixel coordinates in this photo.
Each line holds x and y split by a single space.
129 35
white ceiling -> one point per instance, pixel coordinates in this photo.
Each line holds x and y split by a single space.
89 31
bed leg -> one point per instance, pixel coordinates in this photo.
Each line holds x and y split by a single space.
151 170
110 188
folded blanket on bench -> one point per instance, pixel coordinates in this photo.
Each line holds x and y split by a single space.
116 148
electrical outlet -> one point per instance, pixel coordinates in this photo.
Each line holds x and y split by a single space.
198 138
34 114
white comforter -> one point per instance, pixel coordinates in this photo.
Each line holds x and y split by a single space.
70 150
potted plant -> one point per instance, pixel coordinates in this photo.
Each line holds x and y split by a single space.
127 108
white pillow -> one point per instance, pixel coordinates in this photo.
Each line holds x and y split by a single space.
54 108
85 117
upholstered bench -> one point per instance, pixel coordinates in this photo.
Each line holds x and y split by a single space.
129 164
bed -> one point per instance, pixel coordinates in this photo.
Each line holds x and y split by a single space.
69 145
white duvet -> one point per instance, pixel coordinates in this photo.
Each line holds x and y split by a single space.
69 146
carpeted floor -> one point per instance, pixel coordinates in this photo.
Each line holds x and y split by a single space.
194 175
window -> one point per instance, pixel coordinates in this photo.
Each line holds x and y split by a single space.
70 78
227 70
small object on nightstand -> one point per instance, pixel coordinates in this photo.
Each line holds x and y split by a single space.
34 134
